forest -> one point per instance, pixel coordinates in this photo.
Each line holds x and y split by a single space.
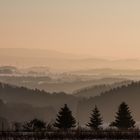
66 127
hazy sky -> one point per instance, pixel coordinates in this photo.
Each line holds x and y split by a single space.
106 28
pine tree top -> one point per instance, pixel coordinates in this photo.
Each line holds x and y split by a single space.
64 119
123 118
95 119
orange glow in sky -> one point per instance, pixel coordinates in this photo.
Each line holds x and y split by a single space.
101 28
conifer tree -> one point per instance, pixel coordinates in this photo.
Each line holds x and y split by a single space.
64 119
95 119
123 119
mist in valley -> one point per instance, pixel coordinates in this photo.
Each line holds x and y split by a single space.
41 90
69 68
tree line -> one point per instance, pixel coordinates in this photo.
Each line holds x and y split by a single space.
65 120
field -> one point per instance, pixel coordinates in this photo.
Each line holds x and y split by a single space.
71 135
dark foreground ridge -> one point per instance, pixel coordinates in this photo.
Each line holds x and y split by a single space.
71 135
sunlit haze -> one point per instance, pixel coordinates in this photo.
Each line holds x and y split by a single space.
69 69
101 28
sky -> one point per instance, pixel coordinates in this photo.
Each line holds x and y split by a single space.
101 28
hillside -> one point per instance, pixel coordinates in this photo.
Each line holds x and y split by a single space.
61 83
17 100
109 101
35 97
98 89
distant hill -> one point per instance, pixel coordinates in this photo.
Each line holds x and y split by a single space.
23 57
109 101
62 84
15 101
37 103
108 71
59 61
34 97
8 70
98 89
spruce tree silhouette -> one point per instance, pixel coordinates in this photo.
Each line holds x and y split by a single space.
123 119
64 119
95 119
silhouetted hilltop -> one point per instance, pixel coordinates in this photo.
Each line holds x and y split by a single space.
62 82
98 89
17 100
109 100
35 97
